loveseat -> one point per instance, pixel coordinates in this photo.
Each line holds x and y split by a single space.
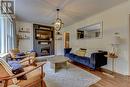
96 60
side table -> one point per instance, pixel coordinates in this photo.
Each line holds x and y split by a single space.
113 57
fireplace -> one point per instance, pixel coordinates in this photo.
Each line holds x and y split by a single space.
43 39
45 51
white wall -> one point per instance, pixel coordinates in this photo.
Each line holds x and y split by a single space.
114 20
25 44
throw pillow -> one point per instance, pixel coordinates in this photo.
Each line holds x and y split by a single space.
16 69
20 54
74 51
20 70
83 49
88 54
80 53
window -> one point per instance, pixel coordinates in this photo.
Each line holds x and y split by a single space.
7 34
0 35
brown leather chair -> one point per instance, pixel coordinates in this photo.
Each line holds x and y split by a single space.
34 76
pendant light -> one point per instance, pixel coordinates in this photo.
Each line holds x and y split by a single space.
58 24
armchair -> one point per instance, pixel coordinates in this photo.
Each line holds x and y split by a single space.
30 58
22 57
15 54
34 75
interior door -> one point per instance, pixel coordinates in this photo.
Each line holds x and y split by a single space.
66 40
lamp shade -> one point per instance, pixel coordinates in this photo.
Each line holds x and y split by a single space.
116 40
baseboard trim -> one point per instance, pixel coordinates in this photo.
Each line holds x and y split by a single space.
114 73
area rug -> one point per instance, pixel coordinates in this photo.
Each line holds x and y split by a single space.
71 77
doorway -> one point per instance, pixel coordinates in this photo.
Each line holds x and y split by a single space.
66 40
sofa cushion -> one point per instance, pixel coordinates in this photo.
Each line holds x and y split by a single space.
86 60
71 55
89 52
82 59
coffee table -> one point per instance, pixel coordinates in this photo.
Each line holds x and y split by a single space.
44 58
58 62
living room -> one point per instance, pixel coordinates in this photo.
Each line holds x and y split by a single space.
93 39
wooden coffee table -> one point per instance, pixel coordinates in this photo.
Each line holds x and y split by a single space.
58 62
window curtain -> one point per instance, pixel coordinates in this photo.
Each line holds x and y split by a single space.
0 34
14 36
8 33
3 35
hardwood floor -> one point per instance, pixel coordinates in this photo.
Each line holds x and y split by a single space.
107 81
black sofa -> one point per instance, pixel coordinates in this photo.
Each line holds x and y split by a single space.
95 61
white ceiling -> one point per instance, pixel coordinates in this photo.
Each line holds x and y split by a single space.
44 11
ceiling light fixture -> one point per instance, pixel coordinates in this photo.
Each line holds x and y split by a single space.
58 24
